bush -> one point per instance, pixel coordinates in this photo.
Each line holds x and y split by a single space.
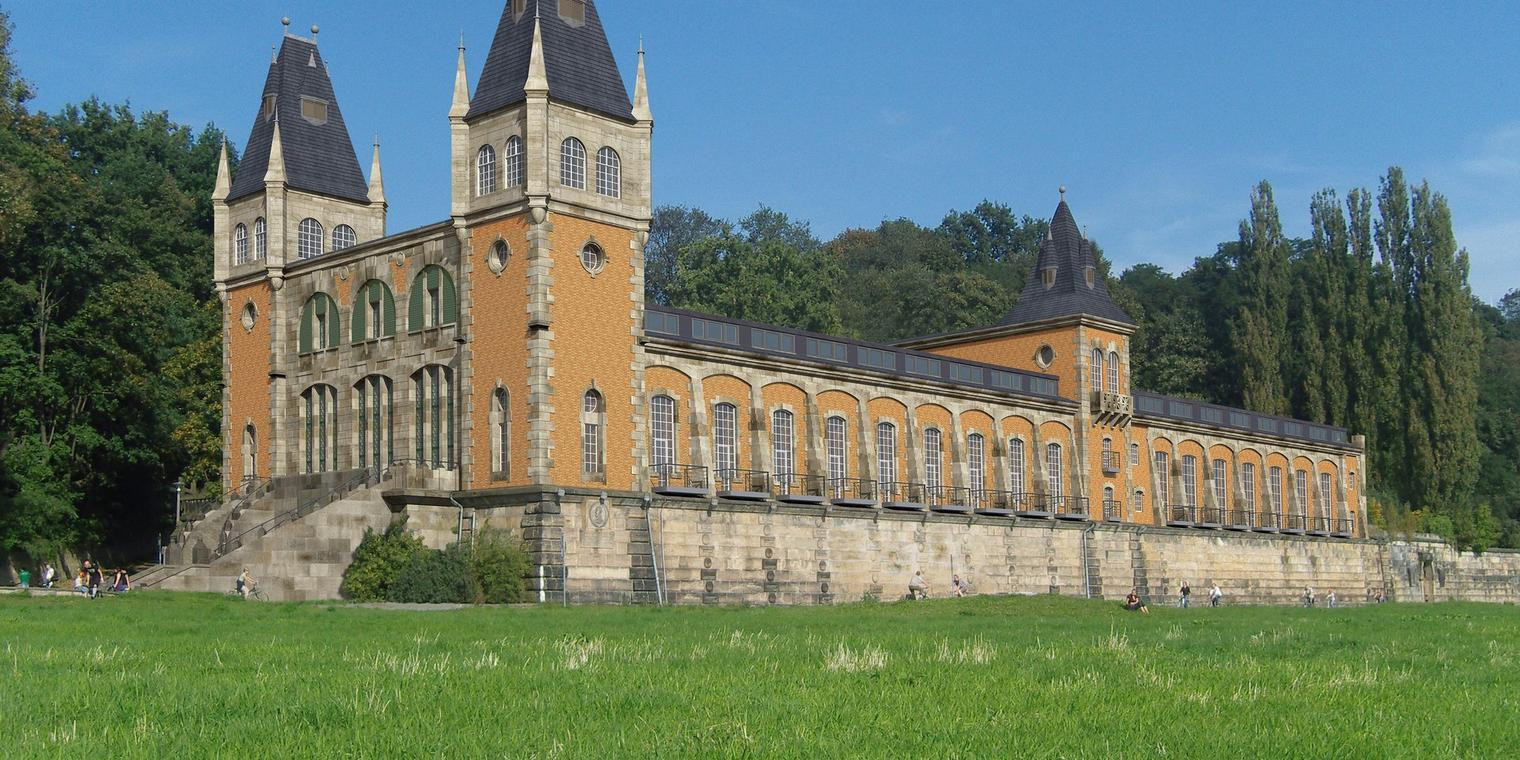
378 562
501 568
435 577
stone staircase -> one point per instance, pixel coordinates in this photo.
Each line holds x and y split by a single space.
1137 565
641 570
1092 566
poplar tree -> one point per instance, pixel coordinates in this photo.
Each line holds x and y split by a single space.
1260 328
1357 325
1389 347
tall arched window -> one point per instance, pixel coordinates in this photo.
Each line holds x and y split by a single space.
572 163
886 452
593 412
725 438
1220 495
1163 474
1138 499
433 425
609 173
1275 489
1054 471
933 458
373 416
1301 492
250 453
1112 385
834 444
662 432
512 162
1016 463
1322 497
1134 454
781 443
260 238
977 464
240 245
319 324
1248 485
1109 461
1108 500
432 300
485 170
319 417
1190 480
1096 368
309 238
374 314
501 434
344 237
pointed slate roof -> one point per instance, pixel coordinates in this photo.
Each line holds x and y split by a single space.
1069 294
319 158
577 60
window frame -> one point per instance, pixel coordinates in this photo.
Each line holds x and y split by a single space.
512 162
662 430
783 442
836 446
310 234
485 170
934 461
343 237
593 425
240 244
1055 476
886 451
725 437
609 173
1016 465
572 163
976 462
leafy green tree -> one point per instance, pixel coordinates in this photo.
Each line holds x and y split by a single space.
671 229
1261 326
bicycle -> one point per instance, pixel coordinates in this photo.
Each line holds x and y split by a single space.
254 594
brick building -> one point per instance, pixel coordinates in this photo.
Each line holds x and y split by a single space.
503 361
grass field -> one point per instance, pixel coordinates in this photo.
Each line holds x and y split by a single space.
184 676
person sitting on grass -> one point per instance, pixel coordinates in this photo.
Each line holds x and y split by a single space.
80 581
122 583
957 586
1133 603
917 588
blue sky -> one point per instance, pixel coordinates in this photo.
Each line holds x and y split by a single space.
1159 117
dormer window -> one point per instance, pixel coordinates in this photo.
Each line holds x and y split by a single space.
518 7
1048 276
313 110
573 11
268 110
1091 274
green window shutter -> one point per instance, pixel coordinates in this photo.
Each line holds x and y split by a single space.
387 310
305 341
450 302
356 323
334 333
414 305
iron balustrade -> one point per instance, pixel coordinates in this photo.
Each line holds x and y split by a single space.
1180 513
794 484
1295 522
1269 520
1210 515
671 475
949 497
851 489
732 480
1111 460
904 493
1319 525
1069 507
1239 518
1342 527
996 502
1112 510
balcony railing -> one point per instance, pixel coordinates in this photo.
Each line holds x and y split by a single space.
1181 514
1210 517
678 479
949 498
1238 519
1035 505
798 489
1319 525
900 494
1111 460
1112 510
999 503
1070 507
1111 404
1341 527
852 492
1268 522
1295 523
749 485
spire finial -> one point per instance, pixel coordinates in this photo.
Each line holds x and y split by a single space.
274 56
538 81
641 90
314 31
1062 190
285 22
461 104
461 40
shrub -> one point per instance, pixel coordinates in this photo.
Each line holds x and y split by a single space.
501 568
434 577
378 562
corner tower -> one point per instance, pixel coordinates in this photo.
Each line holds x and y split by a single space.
551 192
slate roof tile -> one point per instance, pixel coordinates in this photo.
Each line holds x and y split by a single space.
577 60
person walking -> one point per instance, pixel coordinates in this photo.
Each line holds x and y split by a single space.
1184 596
92 578
26 577
48 575
1308 596
1330 598
1215 596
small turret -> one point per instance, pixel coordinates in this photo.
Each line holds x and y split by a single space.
641 91
537 81
223 177
274 172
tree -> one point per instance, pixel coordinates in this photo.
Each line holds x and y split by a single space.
670 229
1260 327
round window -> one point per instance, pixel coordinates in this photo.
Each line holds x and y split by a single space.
248 316
497 258
592 258
1045 355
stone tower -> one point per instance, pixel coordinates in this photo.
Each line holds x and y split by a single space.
298 193
551 194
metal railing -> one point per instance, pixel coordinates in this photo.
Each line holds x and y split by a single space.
851 488
793 484
1210 515
1006 501
1069 506
1238 518
949 496
672 475
230 544
1112 510
1182 513
903 492
1342 526
1111 460
1269 520
1319 524
1295 522
750 481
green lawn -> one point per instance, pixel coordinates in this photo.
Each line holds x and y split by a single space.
180 676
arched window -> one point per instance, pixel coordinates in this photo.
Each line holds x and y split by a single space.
319 416
1054 470
433 425
1112 381
240 245
372 413
250 453
1301 492
485 170
1016 463
374 312
512 162
592 413
1190 480
1275 490
319 324
609 173
260 238
501 434
782 446
1110 462
309 238
976 461
886 452
1134 454
344 237
1138 500
572 164
833 433
933 459
1163 472
1220 493
432 300
592 258
1248 485
1108 500
1096 368
1322 497
662 432
725 435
